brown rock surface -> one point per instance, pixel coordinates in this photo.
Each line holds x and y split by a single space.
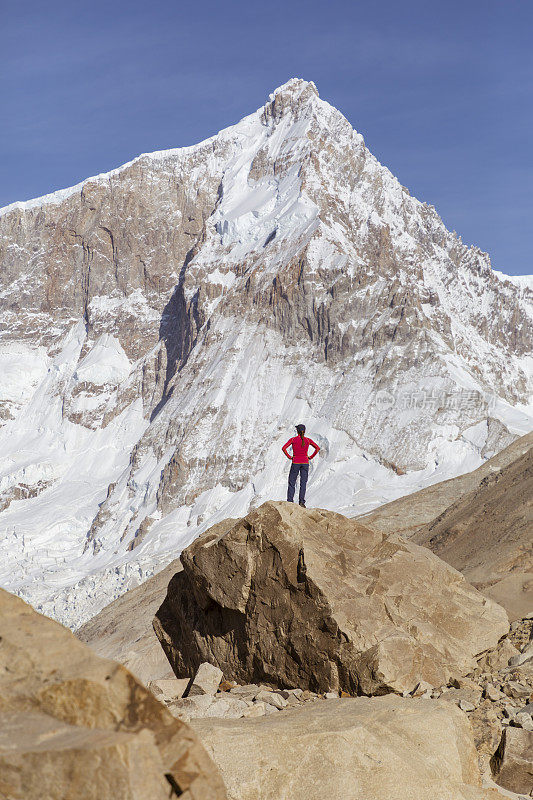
46 673
43 759
488 533
481 523
354 749
309 598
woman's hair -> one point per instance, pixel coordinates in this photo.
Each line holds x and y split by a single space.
301 431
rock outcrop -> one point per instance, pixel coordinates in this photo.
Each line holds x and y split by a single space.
354 749
76 725
309 598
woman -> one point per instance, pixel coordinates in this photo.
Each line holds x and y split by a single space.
300 462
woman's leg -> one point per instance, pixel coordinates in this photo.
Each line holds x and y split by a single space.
304 474
293 472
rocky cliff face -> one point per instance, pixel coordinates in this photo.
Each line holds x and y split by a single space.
165 324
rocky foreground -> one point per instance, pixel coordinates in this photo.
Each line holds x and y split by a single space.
312 656
73 725
495 699
303 606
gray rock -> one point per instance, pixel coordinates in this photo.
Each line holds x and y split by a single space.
524 720
469 696
273 698
286 693
226 707
168 689
492 692
250 695
516 690
249 688
512 763
255 710
524 656
194 707
206 681
292 700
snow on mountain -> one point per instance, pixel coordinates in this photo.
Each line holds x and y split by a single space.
166 324
522 281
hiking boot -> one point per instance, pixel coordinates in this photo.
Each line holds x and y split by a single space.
302 503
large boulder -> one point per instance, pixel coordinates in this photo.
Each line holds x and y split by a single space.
63 710
354 749
43 759
309 598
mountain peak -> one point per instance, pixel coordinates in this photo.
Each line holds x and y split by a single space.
295 87
294 93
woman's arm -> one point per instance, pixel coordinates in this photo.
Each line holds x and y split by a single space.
286 447
317 449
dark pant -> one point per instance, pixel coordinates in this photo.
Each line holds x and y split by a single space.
303 471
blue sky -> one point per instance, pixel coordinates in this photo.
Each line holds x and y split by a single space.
441 91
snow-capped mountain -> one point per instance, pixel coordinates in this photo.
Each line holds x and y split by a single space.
166 324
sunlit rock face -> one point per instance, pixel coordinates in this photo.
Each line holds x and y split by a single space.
307 597
165 325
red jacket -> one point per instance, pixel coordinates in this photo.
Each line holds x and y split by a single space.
299 450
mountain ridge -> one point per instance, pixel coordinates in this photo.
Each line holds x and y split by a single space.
58 195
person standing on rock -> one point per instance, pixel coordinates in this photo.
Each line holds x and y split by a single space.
300 462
